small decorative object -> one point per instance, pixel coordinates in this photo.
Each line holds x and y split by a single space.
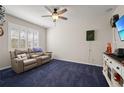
117 77
1 31
109 48
90 35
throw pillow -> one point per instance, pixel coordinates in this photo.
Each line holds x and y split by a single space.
37 50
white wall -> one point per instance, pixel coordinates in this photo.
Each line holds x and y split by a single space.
4 53
117 43
67 40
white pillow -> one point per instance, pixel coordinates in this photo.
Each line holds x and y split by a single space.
22 56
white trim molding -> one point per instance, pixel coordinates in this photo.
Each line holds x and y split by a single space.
6 67
86 63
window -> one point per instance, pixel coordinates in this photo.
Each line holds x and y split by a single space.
14 38
22 37
36 39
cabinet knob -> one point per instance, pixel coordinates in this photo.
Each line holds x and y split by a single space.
117 67
110 62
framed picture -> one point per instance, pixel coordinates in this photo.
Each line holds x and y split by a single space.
1 31
90 35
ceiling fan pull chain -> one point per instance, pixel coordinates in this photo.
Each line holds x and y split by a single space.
55 24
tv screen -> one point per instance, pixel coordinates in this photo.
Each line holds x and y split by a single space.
121 35
120 27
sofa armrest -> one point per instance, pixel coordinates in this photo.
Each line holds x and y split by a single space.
17 65
48 53
18 60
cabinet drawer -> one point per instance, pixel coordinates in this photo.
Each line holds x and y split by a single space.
117 67
122 72
105 58
110 63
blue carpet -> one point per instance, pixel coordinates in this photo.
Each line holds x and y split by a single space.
56 73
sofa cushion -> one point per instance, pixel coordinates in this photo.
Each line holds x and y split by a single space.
29 62
34 56
18 52
44 57
30 66
22 56
39 53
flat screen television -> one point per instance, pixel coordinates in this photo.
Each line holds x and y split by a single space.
120 28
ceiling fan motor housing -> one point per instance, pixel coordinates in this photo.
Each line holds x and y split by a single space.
55 10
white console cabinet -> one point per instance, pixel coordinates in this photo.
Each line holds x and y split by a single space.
113 65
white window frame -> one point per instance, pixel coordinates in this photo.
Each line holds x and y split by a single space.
20 28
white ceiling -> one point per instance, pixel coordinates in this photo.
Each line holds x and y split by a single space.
33 13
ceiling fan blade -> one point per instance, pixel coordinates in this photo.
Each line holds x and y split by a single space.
47 16
48 9
61 11
64 18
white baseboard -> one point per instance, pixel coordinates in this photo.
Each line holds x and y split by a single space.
81 62
2 68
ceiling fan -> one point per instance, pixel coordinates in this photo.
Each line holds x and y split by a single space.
56 14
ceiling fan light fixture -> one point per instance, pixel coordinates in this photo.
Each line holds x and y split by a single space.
55 16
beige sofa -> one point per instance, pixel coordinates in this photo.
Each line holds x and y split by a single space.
29 59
